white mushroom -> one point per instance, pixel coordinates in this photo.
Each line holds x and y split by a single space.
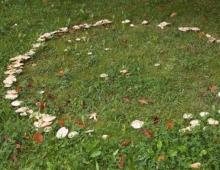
194 123
73 134
16 103
196 165
203 114
127 21
104 137
212 121
47 129
21 110
48 118
93 116
145 22
163 24
104 75
187 116
137 124
62 133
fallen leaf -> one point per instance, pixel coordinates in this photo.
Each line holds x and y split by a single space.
155 119
13 157
126 99
148 133
29 85
144 101
41 105
80 123
125 143
38 137
61 73
121 162
26 136
173 14
17 145
51 96
18 89
212 88
61 122
161 158
6 138
169 124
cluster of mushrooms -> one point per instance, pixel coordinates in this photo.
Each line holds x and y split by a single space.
43 120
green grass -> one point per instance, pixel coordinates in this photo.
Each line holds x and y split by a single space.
188 66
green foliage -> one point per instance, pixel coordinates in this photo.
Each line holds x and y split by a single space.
188 65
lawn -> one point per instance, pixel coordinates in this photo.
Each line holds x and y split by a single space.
150 74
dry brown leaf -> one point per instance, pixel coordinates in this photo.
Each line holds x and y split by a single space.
26 136
169 124
148 133
38 137
13 157
61 73
144 101
121 162
173 14
51 96
29 85
201 34
126 99
155 119
17 145
161 158
125 143
212 88
6 138
41 105
18 89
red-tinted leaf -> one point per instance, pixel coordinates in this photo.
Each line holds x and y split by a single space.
61 122
170 124
80 123
38 137
148 133
41 105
